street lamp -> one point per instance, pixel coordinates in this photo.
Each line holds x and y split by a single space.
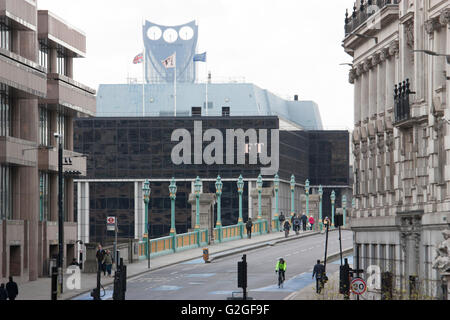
197 188
173 196
307 196
320 207
292 195
219 186
333 199
240 186
344 206
259 185
435 54
59 137
276 184
146 191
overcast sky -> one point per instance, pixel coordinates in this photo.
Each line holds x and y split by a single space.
285 46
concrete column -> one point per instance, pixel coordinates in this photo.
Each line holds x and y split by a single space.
439 63
53 205
373 91
364 96
29 45
52 60
69 67
68 182
69 133
381 87
357 103
390 82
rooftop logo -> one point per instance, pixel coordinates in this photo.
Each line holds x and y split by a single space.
256 147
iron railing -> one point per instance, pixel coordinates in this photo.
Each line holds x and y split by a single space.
402 110
366 9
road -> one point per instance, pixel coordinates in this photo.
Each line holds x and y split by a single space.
195 280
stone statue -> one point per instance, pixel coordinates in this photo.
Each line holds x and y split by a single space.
442 261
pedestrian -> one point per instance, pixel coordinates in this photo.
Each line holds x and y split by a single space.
249 226
304 221
319 273
74 262
281 219
107 261
3 292
311 221
296 224
12 289
100 255
286 228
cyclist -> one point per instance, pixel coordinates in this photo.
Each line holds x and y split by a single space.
281 269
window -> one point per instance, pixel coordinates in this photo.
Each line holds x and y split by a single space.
43 126
5 111
61 63
196 111
61 127
225 111
5 37
43 55
43 196
5 193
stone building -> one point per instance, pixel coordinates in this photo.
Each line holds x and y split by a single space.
38 98
401 137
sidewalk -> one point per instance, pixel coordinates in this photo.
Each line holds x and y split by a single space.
41 288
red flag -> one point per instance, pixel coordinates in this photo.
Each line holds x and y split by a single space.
139 58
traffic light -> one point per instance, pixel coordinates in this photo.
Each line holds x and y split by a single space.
344 279
242 274
338 220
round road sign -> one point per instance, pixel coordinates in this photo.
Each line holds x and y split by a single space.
358 286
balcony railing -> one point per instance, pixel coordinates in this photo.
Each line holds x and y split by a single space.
366 9
402 110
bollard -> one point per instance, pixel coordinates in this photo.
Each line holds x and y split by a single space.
54 283
206 255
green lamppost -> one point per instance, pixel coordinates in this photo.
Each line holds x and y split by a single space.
146 190
276 184
219 186
259 185
320 207
197 188
344 205
240 186
173 196
333 199
292 195
307 196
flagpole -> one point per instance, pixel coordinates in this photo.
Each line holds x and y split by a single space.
206 86
143 84
175 86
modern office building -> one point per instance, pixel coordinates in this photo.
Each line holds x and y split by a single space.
165 95
123 152
400 140
38 97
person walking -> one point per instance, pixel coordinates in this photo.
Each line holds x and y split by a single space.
249 226
3 292
296 224
107 261
319 273
311 221
281 269
286 228
12 289
100 255
304 221
281 219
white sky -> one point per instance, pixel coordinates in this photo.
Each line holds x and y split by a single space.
285 46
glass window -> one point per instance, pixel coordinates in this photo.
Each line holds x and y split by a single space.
5 193
61 63
5 111
5 37
44 196
61 127
43 55
43 126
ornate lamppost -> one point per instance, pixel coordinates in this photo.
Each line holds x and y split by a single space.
320 207
344 206
292 195
173 196
307 196
240 186
333 199
146 191
276 184
197 188
219 186
259 185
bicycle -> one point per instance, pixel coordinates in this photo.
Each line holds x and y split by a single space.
281 278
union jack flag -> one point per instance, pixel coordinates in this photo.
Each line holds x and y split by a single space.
139 58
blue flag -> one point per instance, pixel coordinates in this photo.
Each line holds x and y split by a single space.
200 57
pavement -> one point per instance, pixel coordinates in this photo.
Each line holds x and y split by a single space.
41 288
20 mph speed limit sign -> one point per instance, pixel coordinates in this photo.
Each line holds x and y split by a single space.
358 286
